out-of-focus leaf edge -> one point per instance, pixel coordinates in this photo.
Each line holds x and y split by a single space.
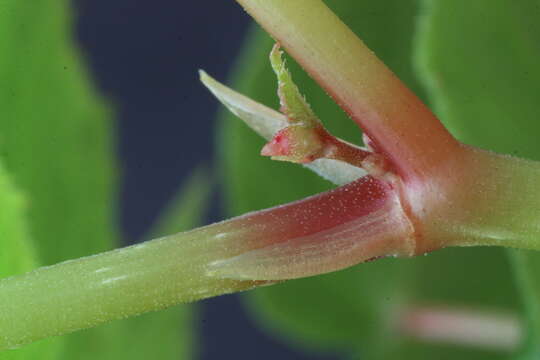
18 255
477 60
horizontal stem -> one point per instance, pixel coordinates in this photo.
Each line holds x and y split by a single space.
86 292
307 237
481 198
368 223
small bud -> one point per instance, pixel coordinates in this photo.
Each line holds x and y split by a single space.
295 143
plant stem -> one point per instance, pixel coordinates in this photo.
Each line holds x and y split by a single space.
83 293
401 126
307 237
474 198
488 199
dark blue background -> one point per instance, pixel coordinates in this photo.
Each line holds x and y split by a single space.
144 56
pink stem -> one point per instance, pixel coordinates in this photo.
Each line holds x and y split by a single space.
327 232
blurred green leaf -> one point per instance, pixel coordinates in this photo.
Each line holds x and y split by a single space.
55 133
475 278
17 255
187 209
56 138
480 62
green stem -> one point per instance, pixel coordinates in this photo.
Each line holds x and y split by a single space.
319 233
86 292
396 121
487 199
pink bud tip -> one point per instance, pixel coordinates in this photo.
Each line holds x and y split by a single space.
280 145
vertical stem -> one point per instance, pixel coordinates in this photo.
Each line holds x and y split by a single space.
401 126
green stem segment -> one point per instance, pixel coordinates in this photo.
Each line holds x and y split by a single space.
83 293
480 198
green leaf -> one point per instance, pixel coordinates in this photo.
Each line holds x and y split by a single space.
480 62
17 255
186 210
55 133
475 278
167 335
346 311
56 138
